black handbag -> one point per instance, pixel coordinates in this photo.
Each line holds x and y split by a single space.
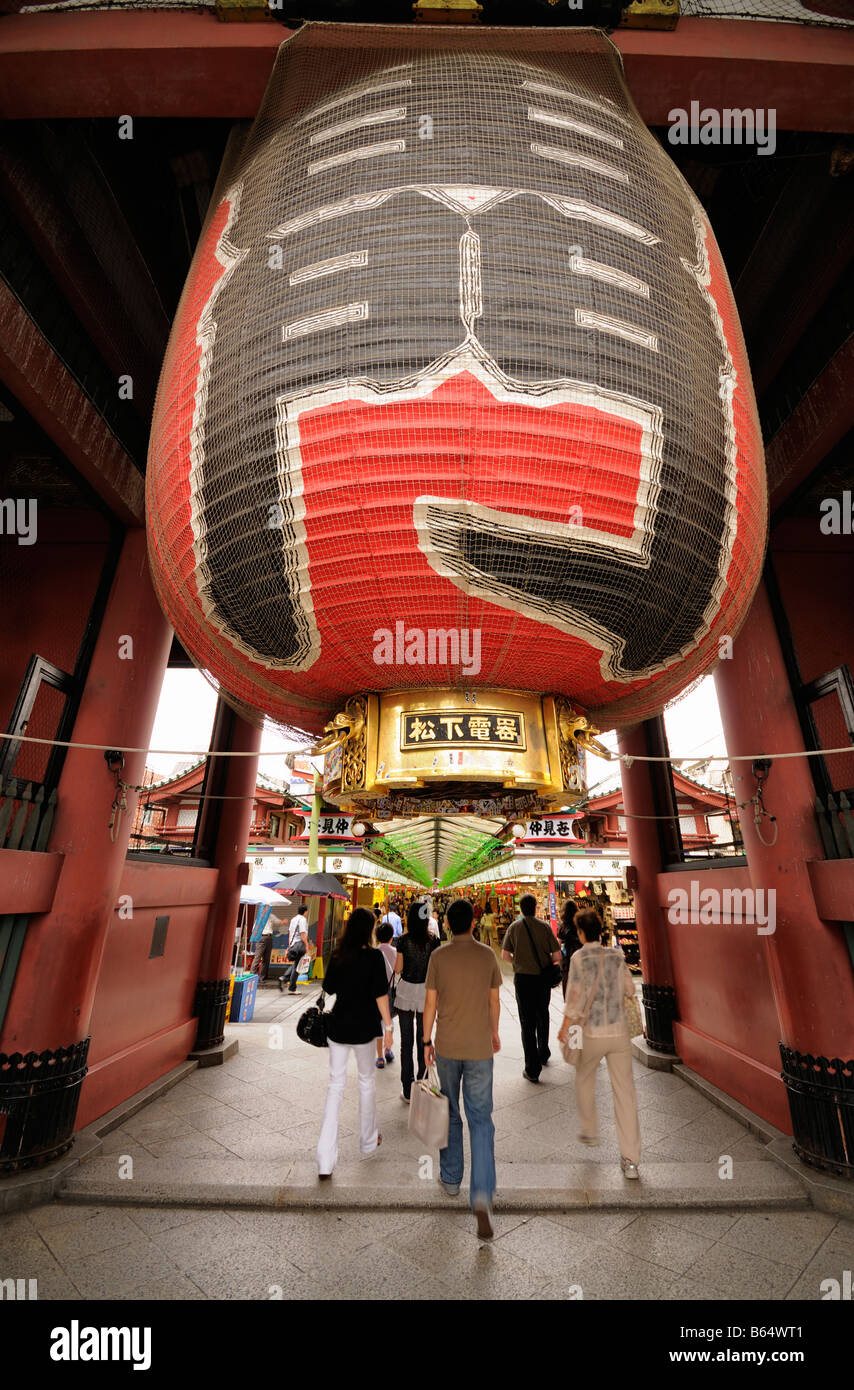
311 1027
550 972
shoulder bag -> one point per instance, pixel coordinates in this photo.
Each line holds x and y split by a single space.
311 1026
633 1015
572 1055
393 981
550 971
296 945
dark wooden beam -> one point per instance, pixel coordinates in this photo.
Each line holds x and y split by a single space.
814 427
42 383
65 208
181 64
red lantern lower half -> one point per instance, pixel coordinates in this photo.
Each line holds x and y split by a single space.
457 356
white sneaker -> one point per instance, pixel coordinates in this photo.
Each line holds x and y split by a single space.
630 1170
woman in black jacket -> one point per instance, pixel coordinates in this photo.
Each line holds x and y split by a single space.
569 941
413 953
357 977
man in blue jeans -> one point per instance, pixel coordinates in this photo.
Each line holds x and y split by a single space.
463 980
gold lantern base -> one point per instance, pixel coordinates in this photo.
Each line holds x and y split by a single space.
483 752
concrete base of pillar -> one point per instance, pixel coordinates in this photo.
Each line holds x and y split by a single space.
825 1192
31 1189
215 1056
757 1125
651 1057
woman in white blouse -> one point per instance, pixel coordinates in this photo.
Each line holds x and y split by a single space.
599 982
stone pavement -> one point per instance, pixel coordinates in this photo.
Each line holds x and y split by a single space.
184 1201
245 1134
176 1253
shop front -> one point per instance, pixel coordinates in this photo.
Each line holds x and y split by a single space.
591 880
364 882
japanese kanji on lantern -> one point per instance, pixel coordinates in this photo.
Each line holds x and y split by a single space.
455 414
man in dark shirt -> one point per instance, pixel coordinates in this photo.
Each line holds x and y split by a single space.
531 945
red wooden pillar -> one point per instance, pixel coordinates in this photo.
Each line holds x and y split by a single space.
234 815
642 808
52 997
808 960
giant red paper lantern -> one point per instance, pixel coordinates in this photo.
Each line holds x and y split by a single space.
457 351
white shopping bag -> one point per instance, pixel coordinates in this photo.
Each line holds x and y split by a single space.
428 1112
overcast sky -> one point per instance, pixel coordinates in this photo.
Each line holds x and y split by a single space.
184 722
185 718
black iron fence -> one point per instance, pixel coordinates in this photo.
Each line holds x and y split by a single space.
26 814
39 1093
821 1100
836 824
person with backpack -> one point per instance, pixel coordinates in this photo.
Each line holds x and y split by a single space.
532 948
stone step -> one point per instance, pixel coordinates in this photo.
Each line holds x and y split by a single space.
387 1182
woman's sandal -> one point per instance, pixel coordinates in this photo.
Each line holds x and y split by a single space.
380 1064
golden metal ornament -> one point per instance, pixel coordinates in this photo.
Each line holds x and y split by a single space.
344 726
447 749
577 728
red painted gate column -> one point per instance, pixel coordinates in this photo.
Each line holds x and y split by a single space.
51 1000
808 961
659 995
238 784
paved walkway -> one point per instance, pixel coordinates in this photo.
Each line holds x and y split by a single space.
245 1133
184 1201
141 1252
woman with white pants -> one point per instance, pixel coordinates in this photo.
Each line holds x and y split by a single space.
598 984
357 977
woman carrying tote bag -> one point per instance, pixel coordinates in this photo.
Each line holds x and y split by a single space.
357 977
413 954
598 985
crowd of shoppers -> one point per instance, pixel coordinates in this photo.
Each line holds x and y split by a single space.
453 986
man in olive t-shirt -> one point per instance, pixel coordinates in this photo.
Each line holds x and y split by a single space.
463 980
531 945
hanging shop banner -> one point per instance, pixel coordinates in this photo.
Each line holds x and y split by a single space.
550 828
589 868
335 827
341 864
